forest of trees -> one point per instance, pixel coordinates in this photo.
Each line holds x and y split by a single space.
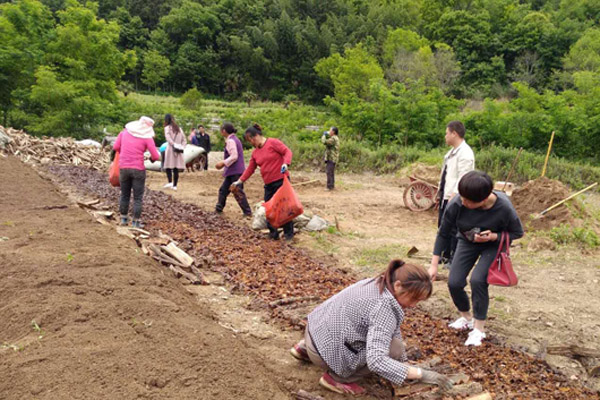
394 71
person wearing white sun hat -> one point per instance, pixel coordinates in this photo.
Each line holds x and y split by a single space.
132 143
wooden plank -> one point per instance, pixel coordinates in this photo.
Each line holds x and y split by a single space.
178 254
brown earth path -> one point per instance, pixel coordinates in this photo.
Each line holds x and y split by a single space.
111 323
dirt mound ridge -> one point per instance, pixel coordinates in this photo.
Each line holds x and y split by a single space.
537 195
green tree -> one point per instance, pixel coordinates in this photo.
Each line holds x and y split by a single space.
352 73
75 88
156 69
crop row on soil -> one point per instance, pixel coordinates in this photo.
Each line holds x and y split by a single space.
270 271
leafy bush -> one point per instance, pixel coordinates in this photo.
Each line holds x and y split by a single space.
191 99
566 234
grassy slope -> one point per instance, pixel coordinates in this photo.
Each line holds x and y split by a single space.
290 124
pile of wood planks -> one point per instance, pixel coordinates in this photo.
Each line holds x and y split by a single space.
161 247
49 150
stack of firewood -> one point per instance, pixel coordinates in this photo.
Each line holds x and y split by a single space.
48 150
159 246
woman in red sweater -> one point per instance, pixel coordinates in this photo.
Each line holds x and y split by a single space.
273 157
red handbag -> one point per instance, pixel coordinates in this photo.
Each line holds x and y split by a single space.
501 272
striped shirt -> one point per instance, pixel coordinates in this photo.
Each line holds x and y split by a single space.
355 327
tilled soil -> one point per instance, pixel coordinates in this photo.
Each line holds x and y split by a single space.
272 271
83 315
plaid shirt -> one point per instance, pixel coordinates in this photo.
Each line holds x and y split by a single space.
355 327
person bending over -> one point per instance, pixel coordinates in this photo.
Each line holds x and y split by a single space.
357 331
479 215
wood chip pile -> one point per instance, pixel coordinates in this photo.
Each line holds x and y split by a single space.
49 150
280 276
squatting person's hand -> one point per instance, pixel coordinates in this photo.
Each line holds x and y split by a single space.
432 377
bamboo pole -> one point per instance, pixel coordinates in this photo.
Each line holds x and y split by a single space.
512 169
548 154
567 199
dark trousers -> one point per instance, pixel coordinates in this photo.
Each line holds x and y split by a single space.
464 260
330 169
132 179
206 163
447 253
173 175
288 229
240 196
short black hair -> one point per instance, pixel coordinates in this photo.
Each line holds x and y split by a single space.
335 129
475 186
457 127
200 126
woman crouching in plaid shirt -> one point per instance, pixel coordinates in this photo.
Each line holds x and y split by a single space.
357 331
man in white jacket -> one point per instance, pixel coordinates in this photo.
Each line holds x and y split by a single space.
457 162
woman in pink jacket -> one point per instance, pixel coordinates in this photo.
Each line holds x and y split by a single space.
132 143
174 162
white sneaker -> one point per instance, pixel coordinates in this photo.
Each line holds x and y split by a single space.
461 324
475 338
168 185
174 188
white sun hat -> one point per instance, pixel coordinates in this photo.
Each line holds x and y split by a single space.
141 128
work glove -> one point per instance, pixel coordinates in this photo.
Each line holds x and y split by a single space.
432 377
284 167
237 183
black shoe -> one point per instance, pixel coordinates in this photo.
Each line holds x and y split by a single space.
289 239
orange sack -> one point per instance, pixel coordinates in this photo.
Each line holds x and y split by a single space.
284 206
113 171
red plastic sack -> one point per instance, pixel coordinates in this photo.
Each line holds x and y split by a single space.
501 272
284 206
113 171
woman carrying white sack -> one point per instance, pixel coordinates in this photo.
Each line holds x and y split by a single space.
174 162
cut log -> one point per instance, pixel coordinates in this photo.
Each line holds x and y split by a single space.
304 395
102 221
105 214
59 207
481 396
291 300
573 351
175 252
305 183
88 204
122 230
190 277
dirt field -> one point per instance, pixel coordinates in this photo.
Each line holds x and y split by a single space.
558 297
111 323
152 339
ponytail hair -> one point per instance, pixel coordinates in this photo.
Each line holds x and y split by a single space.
228 127
253 131
413 278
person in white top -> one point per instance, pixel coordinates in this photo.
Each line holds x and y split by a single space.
457 162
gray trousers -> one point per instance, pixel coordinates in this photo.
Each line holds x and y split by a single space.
396 352
132 179
465 258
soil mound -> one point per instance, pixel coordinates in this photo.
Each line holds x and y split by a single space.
537 195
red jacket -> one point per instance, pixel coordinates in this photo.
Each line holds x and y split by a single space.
269 158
